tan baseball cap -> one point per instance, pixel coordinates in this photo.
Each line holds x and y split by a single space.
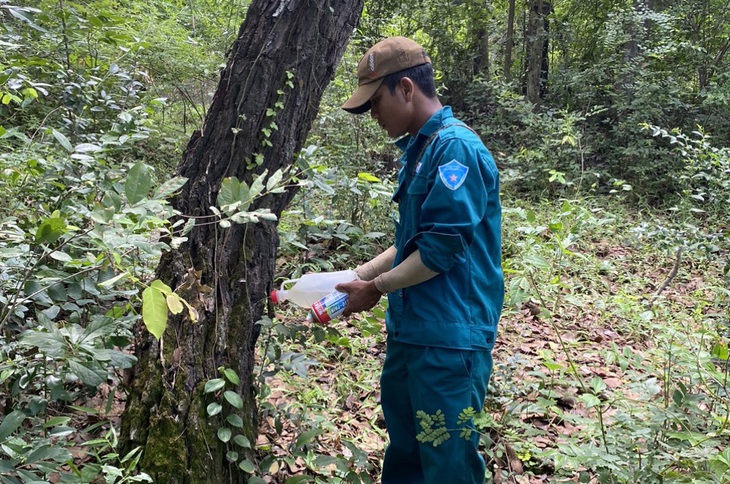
386 57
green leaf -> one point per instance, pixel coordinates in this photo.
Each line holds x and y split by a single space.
230 192
246 466
536 261
63 140
110 282
233 398
50 230
231 376
161 286
590 400
154 311
214 409
274 180
53 421
307 436
368 177
243 441
720 351
224 434
257 186
214 385
138 183
169 187
235 421
92 377
47 452
10 424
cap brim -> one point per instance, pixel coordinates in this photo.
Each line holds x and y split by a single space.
359 102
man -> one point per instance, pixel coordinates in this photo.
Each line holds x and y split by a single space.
443 275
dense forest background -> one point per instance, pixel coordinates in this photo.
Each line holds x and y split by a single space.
609 121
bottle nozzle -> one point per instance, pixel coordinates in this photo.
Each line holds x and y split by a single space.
274 296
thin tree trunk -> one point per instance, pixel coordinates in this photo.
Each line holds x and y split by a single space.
547 9
509 41
535 42
285 55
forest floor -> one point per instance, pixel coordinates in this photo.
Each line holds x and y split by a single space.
602 323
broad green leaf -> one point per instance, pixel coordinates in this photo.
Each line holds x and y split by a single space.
60 256
590 400
90 376
170 186
110 282
87 148
99 327
720 351
161 286
63 140
306 437
50 230
233 398
10 423
536 261
53 421
231 376
243 441
52 343
256 480
138 183
597 384
154 311
47 452
274 180
214 385
224 434
368 177
214 409
235 421
230 192
246 466
256 187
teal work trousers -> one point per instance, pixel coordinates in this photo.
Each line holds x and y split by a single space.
430 379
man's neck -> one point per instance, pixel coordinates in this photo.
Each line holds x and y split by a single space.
428 107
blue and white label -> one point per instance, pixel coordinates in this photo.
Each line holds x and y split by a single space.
453 174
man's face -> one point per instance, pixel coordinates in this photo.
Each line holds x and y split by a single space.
390 110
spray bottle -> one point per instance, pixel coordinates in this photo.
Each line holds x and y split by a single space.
315 288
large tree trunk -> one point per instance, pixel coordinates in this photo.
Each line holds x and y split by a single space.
226 273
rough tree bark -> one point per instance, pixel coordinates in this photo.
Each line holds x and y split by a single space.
509 41
226 273
535 39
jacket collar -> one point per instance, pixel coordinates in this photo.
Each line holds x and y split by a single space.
439 118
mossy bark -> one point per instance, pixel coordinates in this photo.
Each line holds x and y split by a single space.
226 273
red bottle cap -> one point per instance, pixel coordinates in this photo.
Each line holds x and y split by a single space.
274 296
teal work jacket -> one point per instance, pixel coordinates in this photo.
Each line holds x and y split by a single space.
449 209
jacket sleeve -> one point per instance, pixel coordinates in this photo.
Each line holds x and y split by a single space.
457 180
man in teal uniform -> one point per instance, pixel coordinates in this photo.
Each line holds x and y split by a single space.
443 275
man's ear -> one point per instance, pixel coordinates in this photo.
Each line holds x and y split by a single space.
408 87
